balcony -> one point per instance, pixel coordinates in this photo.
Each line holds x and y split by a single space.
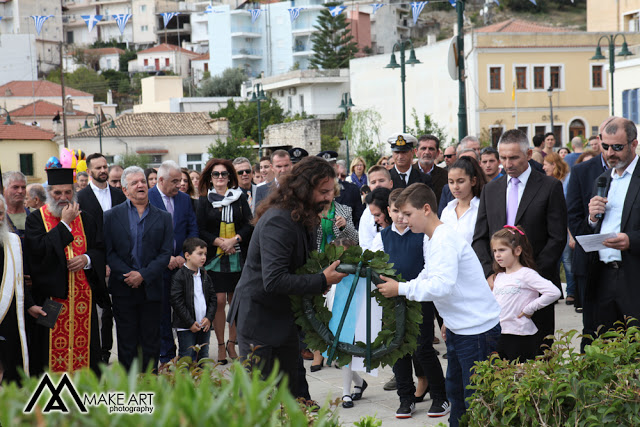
303 50
247 31
246 53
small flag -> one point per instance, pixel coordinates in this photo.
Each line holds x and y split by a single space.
534 2
416 8
375 7
122 19
91 20
168 16
209 9
294 12
496 2
452 2
0 18
255 14
336 10
513 92
38 20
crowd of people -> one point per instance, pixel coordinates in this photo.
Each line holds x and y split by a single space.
478 235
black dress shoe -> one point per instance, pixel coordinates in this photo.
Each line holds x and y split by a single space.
358 394
316 368
421 398
347 402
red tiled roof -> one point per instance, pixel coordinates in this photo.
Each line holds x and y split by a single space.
514 25
42 108
203 57
164 47
19 131
38 88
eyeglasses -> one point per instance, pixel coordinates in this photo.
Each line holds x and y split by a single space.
448 156
217 174
615 147
244 172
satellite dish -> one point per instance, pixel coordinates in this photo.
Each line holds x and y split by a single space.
452 60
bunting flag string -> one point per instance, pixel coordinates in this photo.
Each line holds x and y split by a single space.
294 12
91 20
452 3
168 16
416 8
255 14
38 20
336 10
375 7
209 9
498 2
121 20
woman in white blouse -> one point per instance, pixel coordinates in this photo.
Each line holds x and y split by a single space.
466 180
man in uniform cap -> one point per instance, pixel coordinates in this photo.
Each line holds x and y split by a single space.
404 173
297 154
328 155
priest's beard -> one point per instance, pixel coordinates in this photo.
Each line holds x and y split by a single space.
56 207
4 232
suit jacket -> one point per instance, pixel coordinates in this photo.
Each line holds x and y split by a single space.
262 192
439 178
157 246
261 307
414 176
184 218
542 213
89 203
581 182
350 196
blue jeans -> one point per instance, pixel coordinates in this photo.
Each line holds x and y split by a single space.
187 339
567 256
462 352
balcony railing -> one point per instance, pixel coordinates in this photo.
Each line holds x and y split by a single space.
245 29
247 51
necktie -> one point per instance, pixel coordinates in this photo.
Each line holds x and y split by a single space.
404 178
249 198
169 205
512 205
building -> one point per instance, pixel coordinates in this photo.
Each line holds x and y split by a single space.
16 20
27 149
200 68
613 16
42 114
181 137
76 31
19 93
19 58
164 57
627 90
101 59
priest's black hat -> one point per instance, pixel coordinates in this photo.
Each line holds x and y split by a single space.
59 176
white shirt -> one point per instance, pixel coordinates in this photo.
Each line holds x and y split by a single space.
612 221
199 303
466 224
454 280
103 195
406 174
524 177
367 229
378 245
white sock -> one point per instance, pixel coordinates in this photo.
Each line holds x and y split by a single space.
357 379
346 381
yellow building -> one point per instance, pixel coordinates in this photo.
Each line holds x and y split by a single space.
516 69
613 15
26 149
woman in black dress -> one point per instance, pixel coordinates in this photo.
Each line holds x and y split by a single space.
224 222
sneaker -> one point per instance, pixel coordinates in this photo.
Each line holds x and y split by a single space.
406 409
391 384
440 408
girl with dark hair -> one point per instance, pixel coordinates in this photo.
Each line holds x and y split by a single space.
520 291
152 177
224 222
186 186
378 203
466 180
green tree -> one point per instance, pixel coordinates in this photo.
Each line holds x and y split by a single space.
85 80
127 56
227 84
234 146
141 160
428 127
362 129
328 142
243 117
333 44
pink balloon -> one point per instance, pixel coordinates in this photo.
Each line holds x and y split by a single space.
67 158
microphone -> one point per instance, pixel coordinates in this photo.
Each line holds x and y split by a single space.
601 191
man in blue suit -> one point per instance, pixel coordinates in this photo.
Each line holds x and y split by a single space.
139 243
167 197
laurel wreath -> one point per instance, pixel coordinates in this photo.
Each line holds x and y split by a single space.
401 318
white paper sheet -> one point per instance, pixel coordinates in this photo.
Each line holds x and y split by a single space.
593 242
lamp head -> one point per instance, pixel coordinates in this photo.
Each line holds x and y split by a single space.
342 104
625 50
350 103
261 95
598 56
550 91
412 58
393 63
85 125
8 120
113 124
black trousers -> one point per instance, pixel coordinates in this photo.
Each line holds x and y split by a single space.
522 347
137 329
263 356
545 321
426 358
613 302
106 332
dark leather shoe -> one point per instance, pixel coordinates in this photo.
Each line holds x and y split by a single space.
347 403
358 395
306 354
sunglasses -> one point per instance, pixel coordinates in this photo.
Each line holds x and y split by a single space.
343 176
448 156
244 172
615 147
217 174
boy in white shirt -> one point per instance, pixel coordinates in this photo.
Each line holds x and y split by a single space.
453 279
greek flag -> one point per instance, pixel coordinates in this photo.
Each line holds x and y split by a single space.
336 10
209 9
294 12
416 8
38 20
453 3
91 20
534 2
122 19
375 7
255 14
168 16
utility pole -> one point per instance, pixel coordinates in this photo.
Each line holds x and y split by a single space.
64 101
462 95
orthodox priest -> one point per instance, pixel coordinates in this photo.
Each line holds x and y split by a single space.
67 260
13 338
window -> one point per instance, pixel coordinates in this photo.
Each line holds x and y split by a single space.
538 78
146 62
594 130
166 62
289 103
302 103
143 8
155 160
206 67
524 129
596 76
70 37
194 161
495 78
26 164
521 77
540 130
144 28
496 133
557 132
108 63
554 76
630 105
110 159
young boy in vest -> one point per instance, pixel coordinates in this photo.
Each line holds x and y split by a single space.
406 251
453 279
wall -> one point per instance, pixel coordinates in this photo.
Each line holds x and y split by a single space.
18 53
302 133
220 39
608 15
10 151
156 93
626 77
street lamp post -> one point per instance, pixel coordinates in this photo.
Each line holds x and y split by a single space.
550 94
8 120
98 121
401 46
612 61
346 104
257 98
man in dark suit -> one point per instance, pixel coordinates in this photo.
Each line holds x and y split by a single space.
529 199
245 180
280 245
281 165
403 174
139 243
428 151
166 196
95 199
612 286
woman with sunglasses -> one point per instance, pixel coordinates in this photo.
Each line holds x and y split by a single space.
224 222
